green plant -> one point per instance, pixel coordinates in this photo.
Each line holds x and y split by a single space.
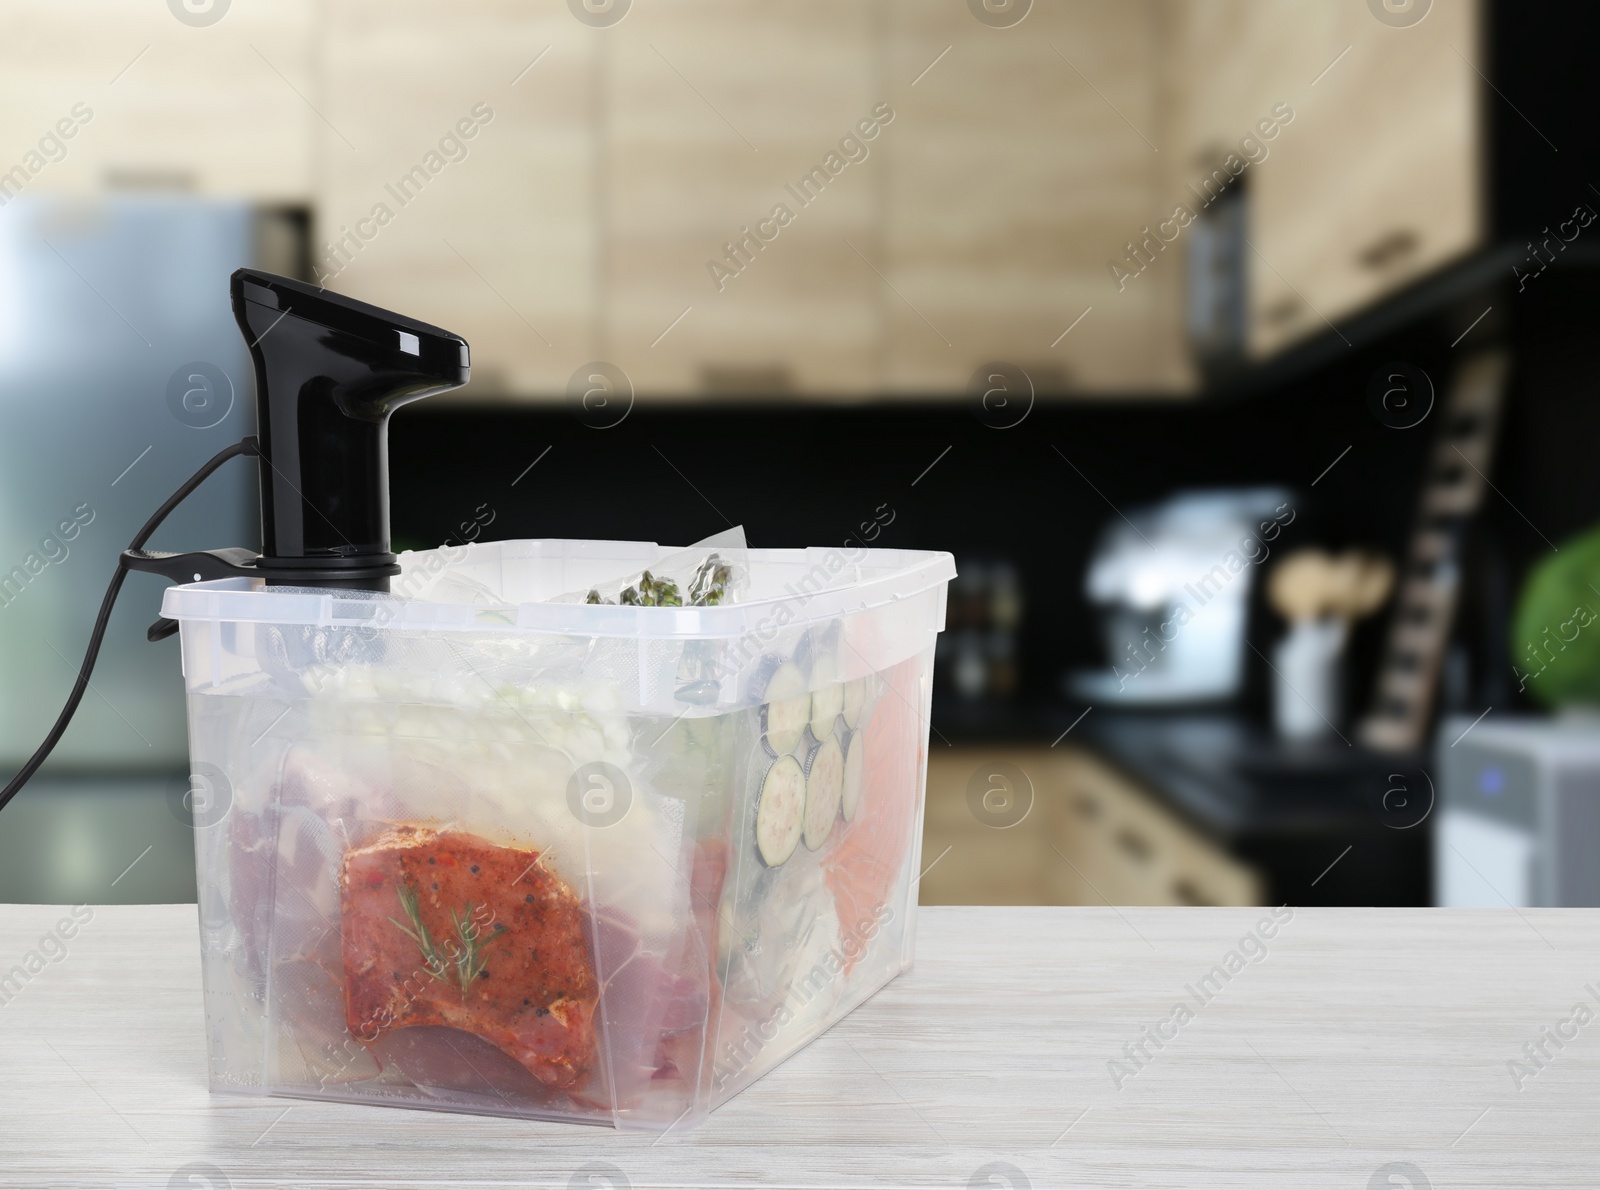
1555 635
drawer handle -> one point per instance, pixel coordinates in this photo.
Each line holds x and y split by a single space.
1281 312
1389 249
736 380
1134 844
1188 894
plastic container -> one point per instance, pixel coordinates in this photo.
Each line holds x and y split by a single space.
501 855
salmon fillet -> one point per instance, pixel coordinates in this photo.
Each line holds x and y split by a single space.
445 928
863 866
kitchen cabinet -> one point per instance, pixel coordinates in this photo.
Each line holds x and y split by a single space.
1373 182
952 193
966 860
926 229
741 194
585 219
1022 160
463 191
1125 847
157 104
1092 836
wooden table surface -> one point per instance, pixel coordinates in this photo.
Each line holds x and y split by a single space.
1355 1048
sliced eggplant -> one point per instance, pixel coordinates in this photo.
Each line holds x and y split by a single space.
855 760
780 812
827 697
824 787
787 711
854 702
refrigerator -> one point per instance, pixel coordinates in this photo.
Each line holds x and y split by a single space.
121 372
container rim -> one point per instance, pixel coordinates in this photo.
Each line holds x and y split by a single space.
847 580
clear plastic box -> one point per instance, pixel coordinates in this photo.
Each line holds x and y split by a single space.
527 858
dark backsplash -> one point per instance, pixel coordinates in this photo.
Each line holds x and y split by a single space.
816 474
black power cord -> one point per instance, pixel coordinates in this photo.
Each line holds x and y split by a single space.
248 446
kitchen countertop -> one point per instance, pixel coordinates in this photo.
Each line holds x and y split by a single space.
1360 1046
1226 773
1292 809
1289 809
1235 778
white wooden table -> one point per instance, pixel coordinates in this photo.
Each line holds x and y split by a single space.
1367 1048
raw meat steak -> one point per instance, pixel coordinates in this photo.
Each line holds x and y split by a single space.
445 928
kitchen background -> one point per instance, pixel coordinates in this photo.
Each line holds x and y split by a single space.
1240 351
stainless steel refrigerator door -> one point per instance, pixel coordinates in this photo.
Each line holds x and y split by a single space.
121 371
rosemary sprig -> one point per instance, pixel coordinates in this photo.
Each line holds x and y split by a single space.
469 959
432 955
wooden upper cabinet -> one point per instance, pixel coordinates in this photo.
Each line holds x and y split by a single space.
741 199
1023 159
1376 178
822 197
155 104
457 178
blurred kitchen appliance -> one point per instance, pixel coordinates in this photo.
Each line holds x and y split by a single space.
1519 812
120 373
1173 583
